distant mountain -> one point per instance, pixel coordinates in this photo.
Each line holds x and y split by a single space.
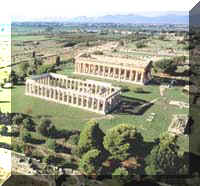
138 18
134 19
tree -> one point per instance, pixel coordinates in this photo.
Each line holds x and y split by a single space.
4 131
90 162
121 174
46 128
51 144
28 124
164 158
23 67
17 119
122 141
91 137
13 77
26 137
165 66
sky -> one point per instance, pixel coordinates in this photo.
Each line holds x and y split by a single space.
74 8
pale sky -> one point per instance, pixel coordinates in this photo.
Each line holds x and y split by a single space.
73 8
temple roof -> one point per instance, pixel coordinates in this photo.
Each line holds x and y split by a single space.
115 61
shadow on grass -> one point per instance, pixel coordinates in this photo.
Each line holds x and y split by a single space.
37 141
132 106
4 101
157 80
63 149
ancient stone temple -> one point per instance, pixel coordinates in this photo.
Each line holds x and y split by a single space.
120 69
91 95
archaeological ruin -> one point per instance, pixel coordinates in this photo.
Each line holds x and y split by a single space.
91 95
114 68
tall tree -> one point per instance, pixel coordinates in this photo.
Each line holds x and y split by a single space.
91 137
164 158
122 141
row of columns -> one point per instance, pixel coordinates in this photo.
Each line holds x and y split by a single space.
115 73
99 105
77 85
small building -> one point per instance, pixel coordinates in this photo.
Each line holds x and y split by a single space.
114 68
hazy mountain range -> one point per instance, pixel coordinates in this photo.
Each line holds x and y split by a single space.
136 18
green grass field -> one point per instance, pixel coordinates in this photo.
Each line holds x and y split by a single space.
5 100
67 117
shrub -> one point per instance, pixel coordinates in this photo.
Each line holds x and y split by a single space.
26 137
124 88
140 44
74 139
4 131
90 162
17 148
122 141
165 66
17 119
46 128
91 137
139 90
28 124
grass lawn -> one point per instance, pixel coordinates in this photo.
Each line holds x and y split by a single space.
27 38
5 139
67 117
5 100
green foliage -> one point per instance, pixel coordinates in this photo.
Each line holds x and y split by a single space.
17 119
91 137
164 158
165 66
28 124
122 141
23 67
140 44
17 148
46 128
51 144
90 162
120 174
45 68
4 131
74 139
26 136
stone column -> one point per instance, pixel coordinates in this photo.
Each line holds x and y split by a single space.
142 77
119 72
51 93
67 98
104 69
87 102
125 73
104 106
131 75
109 71
98 104
82 99
136 76
99 70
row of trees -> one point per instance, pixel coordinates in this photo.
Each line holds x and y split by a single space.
169 66
118 145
